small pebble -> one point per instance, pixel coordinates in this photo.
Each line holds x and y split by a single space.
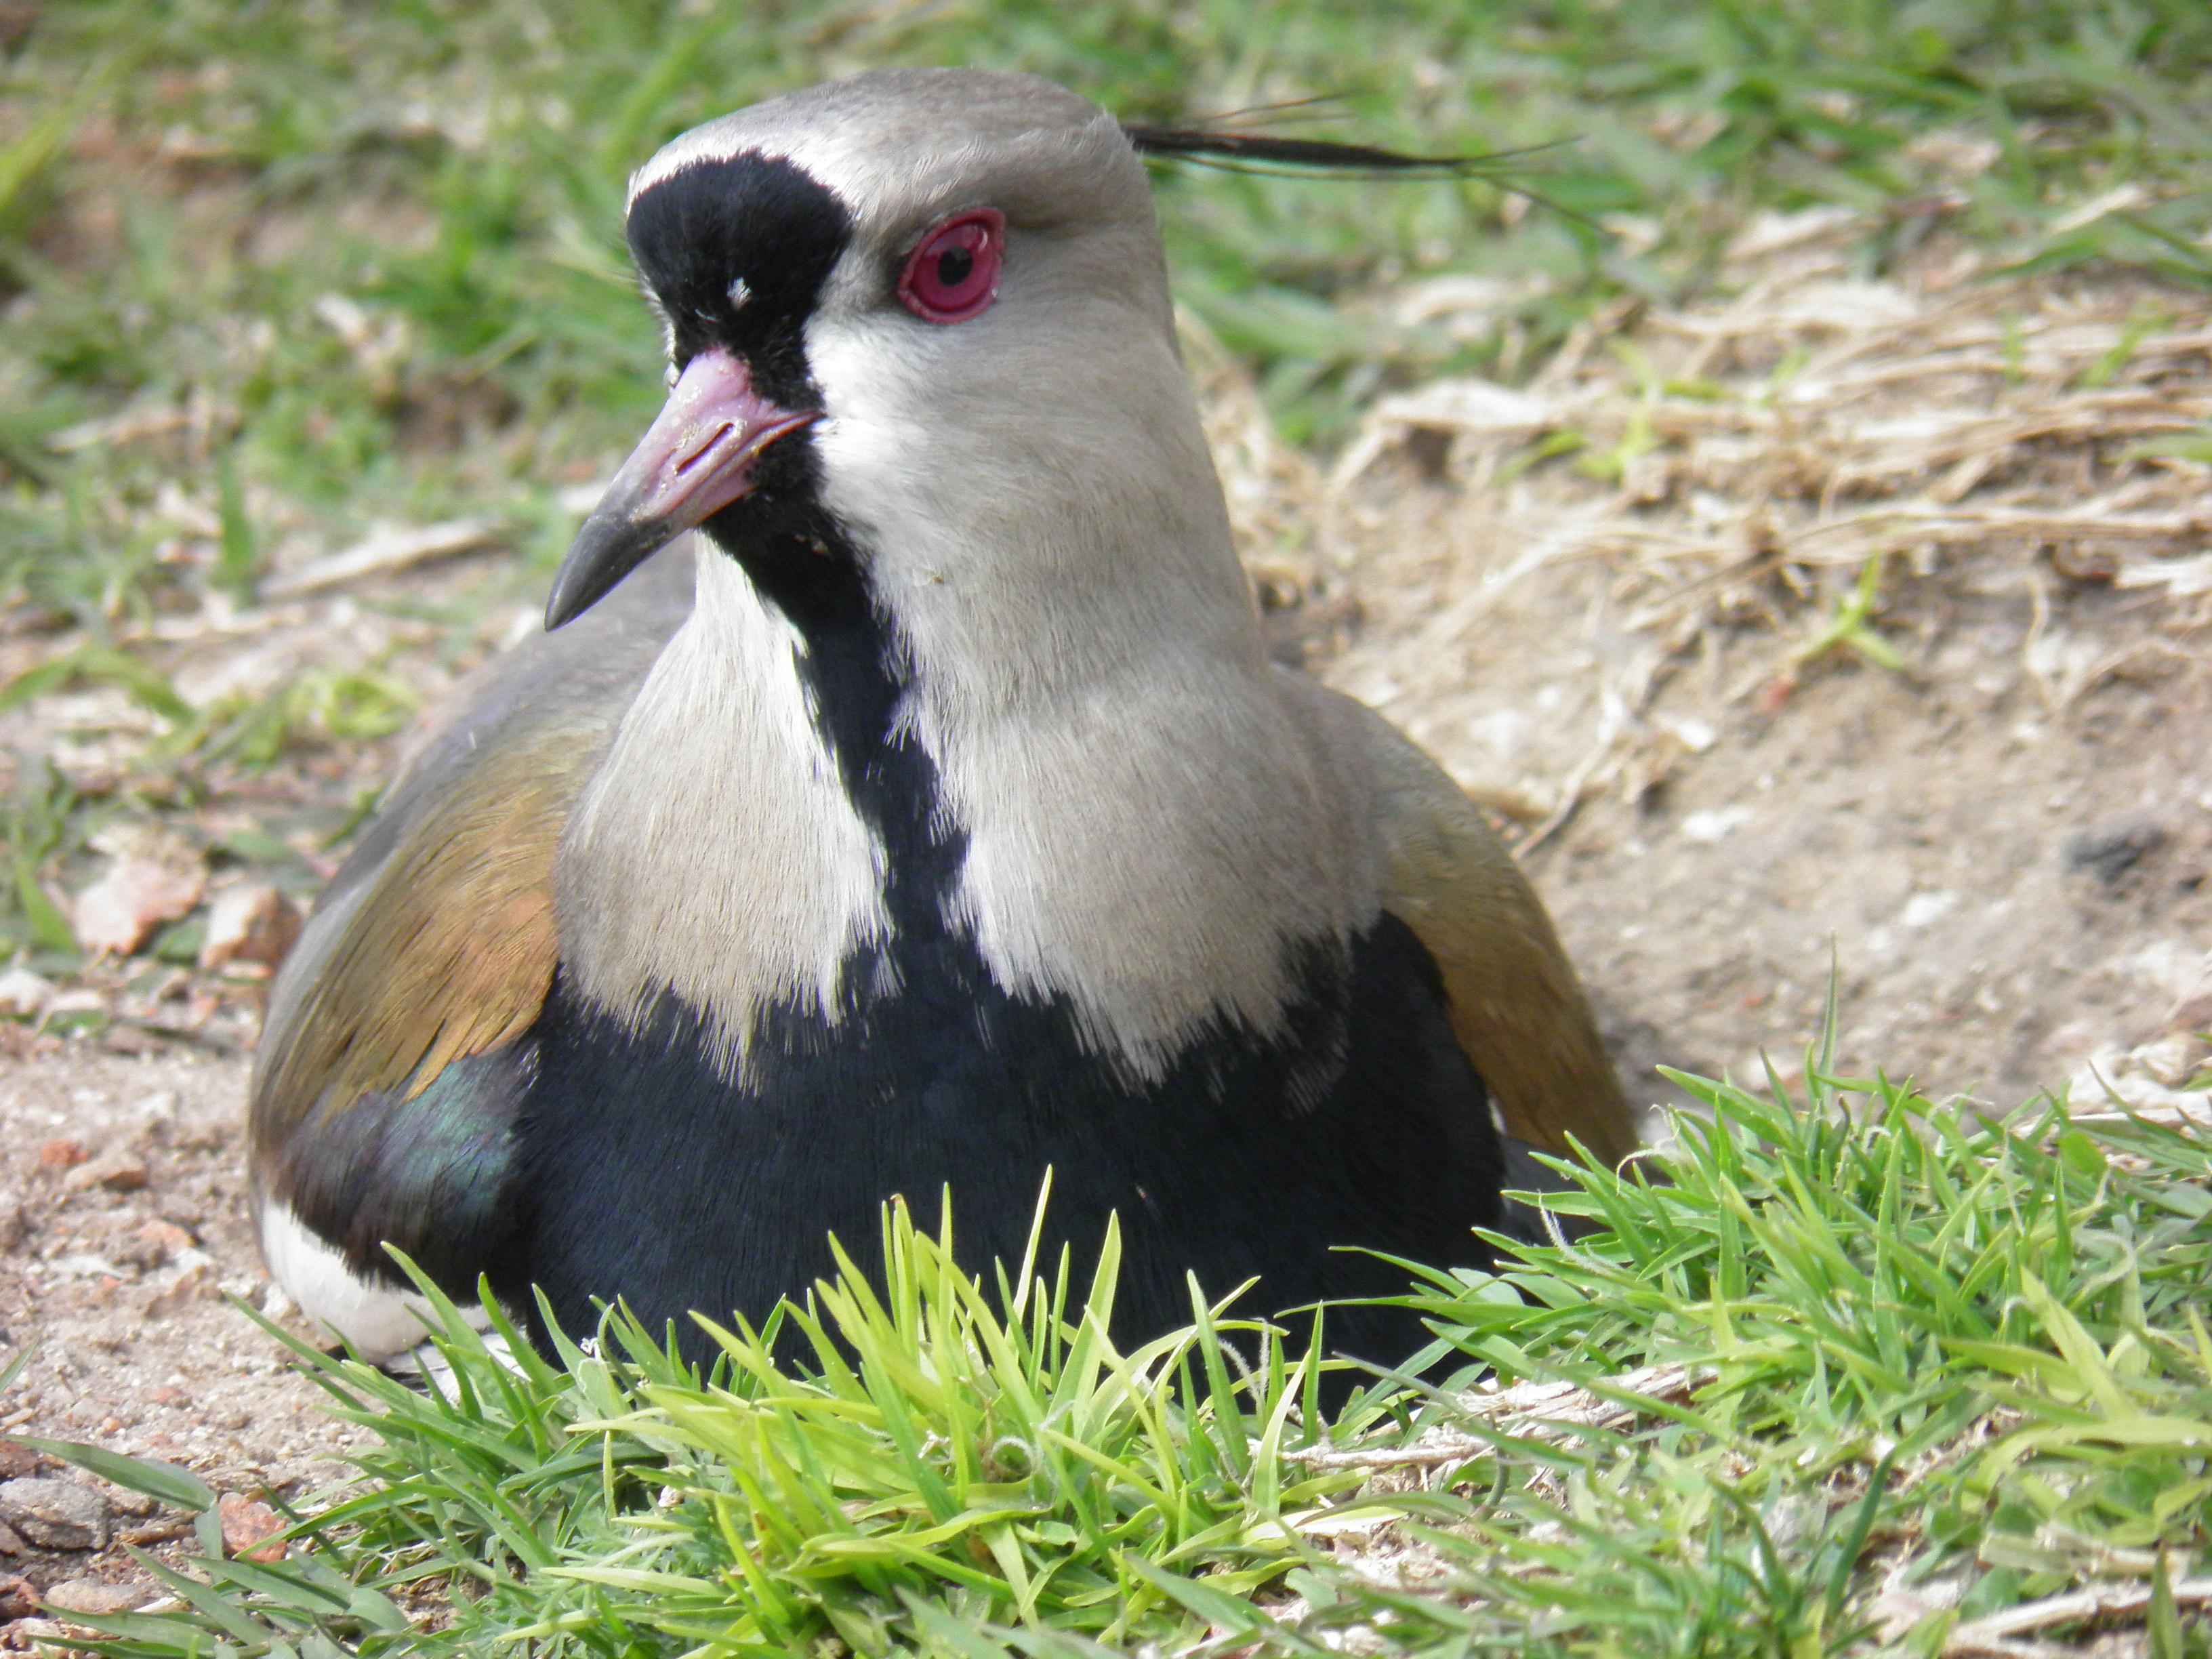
56 1515
249 930
2171 1060
166 1240
247 1523
120 1171
2111 852
96 1595
123 1501
193 1279
24 994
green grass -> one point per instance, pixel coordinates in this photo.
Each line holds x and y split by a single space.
939 1453
1931 1351
270 275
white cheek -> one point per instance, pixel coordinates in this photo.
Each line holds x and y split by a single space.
876 371
883 448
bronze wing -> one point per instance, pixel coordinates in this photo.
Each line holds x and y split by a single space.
1517 1006
395 1052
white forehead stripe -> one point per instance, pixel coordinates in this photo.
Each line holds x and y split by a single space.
717 141
887 140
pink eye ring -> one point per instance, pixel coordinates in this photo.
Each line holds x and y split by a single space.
954 274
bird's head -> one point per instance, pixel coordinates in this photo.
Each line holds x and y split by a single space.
929 304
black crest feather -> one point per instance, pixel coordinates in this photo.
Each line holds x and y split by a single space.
1260 152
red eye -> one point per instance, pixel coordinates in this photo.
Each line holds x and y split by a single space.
954 274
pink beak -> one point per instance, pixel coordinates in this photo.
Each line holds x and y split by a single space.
694 459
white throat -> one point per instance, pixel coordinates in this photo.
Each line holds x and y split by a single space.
714 853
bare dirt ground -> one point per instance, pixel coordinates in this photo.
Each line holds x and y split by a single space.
118 1267
1624 605
1987 800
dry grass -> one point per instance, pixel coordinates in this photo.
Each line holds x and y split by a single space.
1755 479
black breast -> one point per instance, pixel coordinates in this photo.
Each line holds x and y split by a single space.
643 1174
649 1177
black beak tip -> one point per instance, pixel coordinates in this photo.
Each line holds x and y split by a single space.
609 546
568 601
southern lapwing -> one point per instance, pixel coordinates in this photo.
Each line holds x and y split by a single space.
931 818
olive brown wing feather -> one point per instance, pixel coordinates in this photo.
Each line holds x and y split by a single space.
392 1060
1516 1007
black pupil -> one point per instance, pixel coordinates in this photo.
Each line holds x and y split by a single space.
954 266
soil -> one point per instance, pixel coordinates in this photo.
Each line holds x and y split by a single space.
1998 839
126 1284
1999 885
1991 816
